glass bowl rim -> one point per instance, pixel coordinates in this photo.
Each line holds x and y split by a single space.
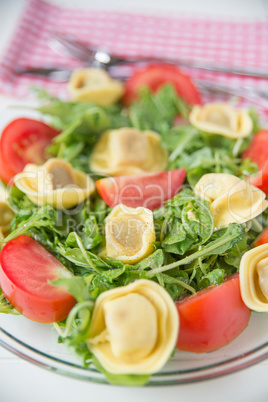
176 377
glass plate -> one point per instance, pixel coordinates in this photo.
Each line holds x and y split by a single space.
37 343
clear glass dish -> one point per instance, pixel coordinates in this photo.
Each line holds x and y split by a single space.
37 343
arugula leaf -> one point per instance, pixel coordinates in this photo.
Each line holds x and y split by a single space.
200 153
153 261
188 222
5 306
181 280
156 111
215 277
77 286
122 379
81 124
224 240
76 330
45 216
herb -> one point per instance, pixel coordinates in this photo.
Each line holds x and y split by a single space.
223 240
187 222
202 153
157 111
81 124
41 218
76 329
5 306
122 379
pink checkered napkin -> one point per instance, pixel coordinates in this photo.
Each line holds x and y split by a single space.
221 41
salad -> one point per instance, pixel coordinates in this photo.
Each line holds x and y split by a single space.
135 221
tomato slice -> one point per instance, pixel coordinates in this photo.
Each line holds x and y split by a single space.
5 175
262 238
261 180
155 76
23 141
213 317
26 268
258 149
258 153
147 190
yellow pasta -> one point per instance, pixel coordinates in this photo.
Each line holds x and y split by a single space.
128 151
129 233
55 183
231 199
94 85
134 328
222 119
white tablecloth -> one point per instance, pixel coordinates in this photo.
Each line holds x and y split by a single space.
21 381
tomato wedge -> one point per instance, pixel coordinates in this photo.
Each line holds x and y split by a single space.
26 268
262 238
155 76
213 317
258 153
23 141
147 190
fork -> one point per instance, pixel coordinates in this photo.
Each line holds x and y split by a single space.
256 96
101 57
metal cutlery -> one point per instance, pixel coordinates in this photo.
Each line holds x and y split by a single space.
102 57
58 74
256 96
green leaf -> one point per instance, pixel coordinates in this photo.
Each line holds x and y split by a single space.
156 111
75 285
215 277
91 236
112 274
200 153
45 216
153 261
5 306
181 281
122 379
224 240
84 259
77 323
188 222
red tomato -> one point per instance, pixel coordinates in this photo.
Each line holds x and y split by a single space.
258 149
147 190
26 268
212 318
261 180
23 141
156 75
262 238
5 175
258 153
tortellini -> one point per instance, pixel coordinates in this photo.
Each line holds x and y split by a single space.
222 119
231 199
6 214
253 274
56 183
129 233
95 85
134 328
128 151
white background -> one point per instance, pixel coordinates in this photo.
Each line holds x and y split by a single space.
21 381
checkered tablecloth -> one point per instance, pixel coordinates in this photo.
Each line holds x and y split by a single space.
221 41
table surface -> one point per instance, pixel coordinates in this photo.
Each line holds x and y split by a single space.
22 381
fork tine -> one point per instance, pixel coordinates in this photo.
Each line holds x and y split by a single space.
61 43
